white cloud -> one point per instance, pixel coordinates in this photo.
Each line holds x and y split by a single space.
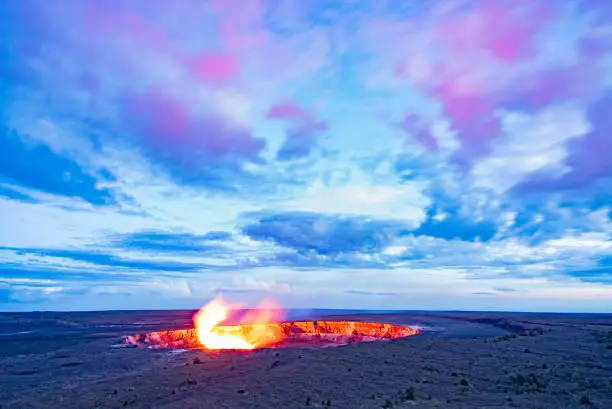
406 202
529 144
445 137
394 250
361 194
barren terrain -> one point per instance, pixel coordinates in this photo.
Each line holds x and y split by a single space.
460 360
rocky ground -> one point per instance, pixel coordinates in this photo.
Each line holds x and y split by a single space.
461 360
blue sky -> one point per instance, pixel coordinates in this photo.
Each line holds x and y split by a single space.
334 154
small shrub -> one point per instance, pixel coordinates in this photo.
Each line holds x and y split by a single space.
585 400
427 368
464 382
188 382
408 395
529 383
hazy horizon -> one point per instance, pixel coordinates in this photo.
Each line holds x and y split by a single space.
343 310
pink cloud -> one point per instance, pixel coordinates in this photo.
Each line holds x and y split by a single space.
273 59
214 67
120 26
167 126
476 60
471 115
130 45
161 119
288 110
117 21
304 132
511 33
241 28
477 47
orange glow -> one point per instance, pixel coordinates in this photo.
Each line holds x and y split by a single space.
301 334
261 333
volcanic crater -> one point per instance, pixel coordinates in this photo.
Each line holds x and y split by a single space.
301 334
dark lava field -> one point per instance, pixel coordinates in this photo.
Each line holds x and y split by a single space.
459 360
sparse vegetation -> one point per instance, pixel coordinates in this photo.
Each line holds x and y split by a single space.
527 383
535 331
604 337
187 382
408 395
429 368
401 396
585 400
507 337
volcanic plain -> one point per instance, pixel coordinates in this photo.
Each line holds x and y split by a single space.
459 360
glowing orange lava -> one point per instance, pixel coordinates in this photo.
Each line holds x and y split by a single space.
213 336
264 328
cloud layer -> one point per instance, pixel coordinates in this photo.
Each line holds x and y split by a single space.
348 154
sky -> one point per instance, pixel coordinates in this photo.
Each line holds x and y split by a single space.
358 154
